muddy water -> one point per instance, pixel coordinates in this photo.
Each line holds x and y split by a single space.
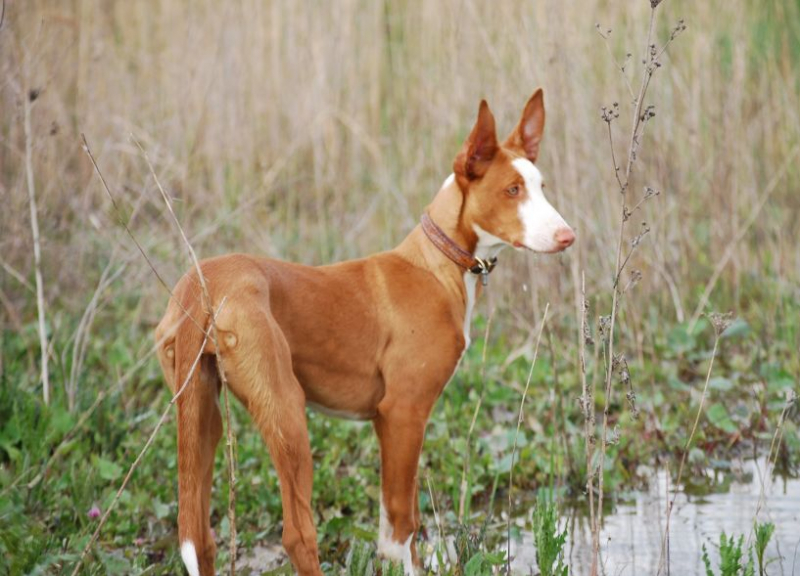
633 531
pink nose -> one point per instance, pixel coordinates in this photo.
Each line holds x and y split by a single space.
564 237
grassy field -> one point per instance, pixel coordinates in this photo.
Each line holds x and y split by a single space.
316 132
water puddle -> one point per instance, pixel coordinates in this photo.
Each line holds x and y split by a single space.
632 534
633 530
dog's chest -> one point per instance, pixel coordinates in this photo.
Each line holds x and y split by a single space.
471 288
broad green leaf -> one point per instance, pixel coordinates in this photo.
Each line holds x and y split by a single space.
108 470
718 416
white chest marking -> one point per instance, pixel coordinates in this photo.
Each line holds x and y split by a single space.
488 247
470 283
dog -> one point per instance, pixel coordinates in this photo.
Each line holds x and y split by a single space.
373 339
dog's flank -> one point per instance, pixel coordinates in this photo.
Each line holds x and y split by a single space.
376 338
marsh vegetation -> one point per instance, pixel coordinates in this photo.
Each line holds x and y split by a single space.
320 132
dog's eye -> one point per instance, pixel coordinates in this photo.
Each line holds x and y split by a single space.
513 191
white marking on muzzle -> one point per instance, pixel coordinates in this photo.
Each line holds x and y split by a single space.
539 219
189 556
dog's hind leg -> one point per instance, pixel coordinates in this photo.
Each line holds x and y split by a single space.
199 431
261 376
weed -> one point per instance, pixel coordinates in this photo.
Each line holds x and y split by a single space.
764 532
549 541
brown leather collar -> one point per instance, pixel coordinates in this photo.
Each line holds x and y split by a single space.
455 252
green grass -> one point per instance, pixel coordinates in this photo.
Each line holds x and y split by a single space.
315 142
43 526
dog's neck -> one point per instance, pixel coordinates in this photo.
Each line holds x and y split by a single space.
447 211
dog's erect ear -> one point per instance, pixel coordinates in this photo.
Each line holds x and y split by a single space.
479 148
526 136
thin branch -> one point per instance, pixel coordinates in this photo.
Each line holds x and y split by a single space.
516 439
462 504
124 224
687 446
775 444
230 439
101 396
755 212
609 359
37 251
14 273
144 450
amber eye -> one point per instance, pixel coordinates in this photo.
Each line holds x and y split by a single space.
513 191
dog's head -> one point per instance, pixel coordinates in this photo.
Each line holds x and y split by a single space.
504 200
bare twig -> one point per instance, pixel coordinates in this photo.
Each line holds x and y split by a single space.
124 224
520 418
777 438
138 459
84 417
720 322
230 439
436 517
462 502
587 394
639 119
17 275
81 337
755 212
28 100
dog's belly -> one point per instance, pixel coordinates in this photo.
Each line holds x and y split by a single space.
352 394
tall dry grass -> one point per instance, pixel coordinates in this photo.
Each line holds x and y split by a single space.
319 131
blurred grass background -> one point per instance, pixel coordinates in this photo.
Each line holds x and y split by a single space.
318 131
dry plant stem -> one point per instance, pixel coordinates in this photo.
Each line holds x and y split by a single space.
81 340
741 233
686 447
102 395
136 462
16 275
206 333
516 438
624 185
121 220
588 400
230 440
777 438
37 251
462 501
436 517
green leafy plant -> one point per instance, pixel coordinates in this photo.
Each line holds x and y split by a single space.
549 541
764 533
731 555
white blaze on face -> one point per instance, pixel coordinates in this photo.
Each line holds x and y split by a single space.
189 556
540 220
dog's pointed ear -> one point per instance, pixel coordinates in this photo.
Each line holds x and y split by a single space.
527 135
479 148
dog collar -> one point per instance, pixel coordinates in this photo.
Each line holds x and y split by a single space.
448 247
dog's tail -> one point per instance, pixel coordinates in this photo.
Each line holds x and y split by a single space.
186 356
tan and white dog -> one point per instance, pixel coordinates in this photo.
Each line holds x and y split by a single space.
372 339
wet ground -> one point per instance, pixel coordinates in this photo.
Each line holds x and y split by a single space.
633 531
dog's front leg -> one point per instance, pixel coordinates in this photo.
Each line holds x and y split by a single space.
401 431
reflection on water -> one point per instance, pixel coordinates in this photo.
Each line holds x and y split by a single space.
633 531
